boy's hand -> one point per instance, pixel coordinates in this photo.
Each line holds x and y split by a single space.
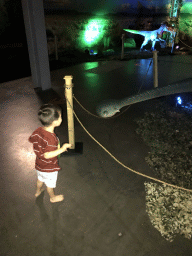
65 146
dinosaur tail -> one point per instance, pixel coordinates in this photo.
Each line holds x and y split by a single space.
134 31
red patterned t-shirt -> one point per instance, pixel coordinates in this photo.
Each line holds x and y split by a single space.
44 141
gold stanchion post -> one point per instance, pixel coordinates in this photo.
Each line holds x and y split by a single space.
69 101
155 69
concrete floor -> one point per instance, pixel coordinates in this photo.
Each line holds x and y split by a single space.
102 199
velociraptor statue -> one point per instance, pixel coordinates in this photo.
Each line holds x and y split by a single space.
154 35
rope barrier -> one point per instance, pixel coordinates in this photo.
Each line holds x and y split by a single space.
138 173
146 176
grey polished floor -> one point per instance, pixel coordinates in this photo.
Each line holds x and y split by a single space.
102 199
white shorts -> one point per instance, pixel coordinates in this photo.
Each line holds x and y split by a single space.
49 178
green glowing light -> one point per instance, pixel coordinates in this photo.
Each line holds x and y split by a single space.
94 32
90 65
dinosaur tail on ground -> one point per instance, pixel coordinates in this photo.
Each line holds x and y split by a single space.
180 87
109 108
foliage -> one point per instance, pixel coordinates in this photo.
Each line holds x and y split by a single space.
168 133
75 32
169 209
68 32
185 24
181 2
167 130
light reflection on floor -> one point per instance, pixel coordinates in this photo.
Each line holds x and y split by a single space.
90 65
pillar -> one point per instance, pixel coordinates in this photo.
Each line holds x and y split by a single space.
34 20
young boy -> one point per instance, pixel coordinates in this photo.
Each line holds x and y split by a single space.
47 147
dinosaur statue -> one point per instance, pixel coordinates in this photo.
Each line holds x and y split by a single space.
109 108
150 35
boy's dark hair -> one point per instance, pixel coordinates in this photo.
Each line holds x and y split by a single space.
48 113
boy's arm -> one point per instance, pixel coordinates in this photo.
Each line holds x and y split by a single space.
54 153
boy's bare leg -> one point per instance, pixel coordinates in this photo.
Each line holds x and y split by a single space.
53 197
39 188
